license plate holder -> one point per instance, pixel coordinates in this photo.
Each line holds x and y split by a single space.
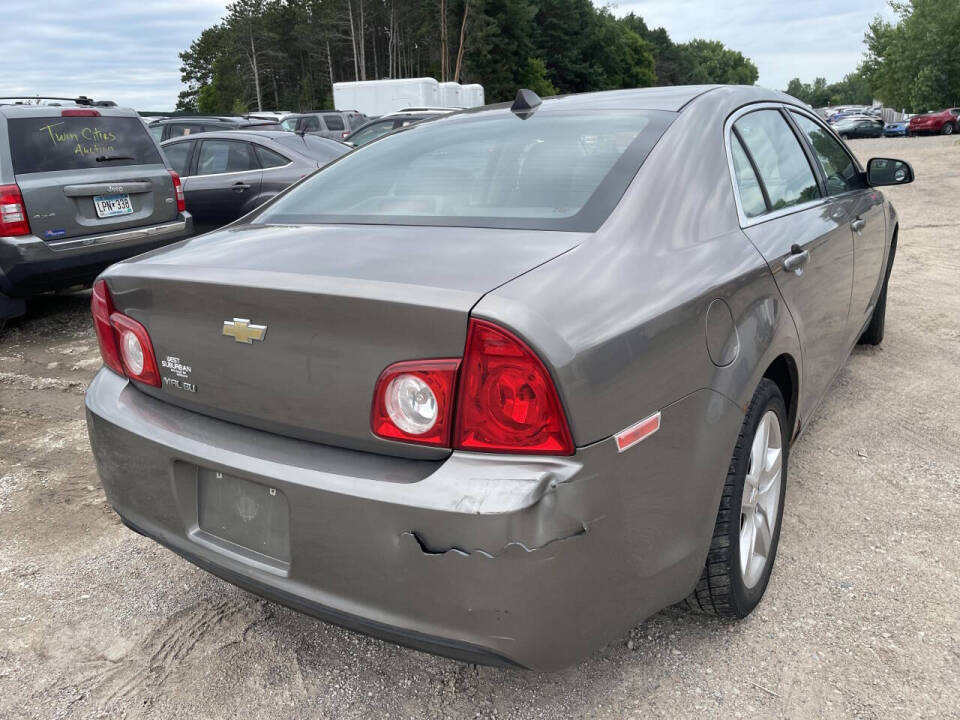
243 514
108 206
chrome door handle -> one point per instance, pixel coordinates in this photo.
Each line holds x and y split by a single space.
858 225
240 187
795 261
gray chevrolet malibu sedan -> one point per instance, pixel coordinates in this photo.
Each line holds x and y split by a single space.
501 385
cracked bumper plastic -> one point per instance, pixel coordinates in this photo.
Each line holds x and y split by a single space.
534 561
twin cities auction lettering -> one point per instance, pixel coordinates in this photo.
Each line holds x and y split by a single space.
86 141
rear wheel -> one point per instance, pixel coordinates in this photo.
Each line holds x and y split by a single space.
747 529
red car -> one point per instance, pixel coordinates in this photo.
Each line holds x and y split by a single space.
945 122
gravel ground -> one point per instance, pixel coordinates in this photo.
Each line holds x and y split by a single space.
861 618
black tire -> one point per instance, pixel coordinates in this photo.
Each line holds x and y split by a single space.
873 335
947 129
721 589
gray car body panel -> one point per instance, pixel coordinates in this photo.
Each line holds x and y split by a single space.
675 305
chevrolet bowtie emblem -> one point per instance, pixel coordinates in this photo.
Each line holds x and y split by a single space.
242 331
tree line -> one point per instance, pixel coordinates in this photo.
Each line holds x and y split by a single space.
286 54
912 63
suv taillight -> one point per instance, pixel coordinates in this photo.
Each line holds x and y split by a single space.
13 213
124 343
505 400
178 191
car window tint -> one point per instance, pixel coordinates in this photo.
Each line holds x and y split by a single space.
838 167
177 129
554 170
311 124
334 122
270 159
751 194
371 132
223 156
41 144
177 155
780 159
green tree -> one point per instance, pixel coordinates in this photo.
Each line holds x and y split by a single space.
712 62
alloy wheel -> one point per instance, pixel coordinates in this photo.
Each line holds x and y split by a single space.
760 502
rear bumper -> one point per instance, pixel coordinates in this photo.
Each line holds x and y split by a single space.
30 265
530 561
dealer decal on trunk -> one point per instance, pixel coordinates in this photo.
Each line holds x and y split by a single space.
174 365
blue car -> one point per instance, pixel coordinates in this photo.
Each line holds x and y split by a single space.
901 128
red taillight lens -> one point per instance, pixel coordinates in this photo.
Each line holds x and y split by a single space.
178 191
506 398
124 343
13 213
413 401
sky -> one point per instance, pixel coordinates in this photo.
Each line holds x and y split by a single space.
126 50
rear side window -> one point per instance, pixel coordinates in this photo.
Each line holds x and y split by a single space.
334 122
177 155
270 159
180 129
751 194
310 124
42 144
838 167
223 156
778 156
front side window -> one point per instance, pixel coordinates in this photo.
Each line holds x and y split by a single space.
838 167
779 158
156 131
42 144
563 170
289 124
223 156
371 132
311 124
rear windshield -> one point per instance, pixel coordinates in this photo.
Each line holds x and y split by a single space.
556 170
41 144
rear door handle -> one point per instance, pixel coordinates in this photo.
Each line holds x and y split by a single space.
795 261
858 224
240 187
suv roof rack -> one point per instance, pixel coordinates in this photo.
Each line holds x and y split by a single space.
35 100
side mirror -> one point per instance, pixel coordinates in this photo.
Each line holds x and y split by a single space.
886 171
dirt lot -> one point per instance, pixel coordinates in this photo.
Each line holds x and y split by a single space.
862 617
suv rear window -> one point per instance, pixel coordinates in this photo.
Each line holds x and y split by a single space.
334 122
42 144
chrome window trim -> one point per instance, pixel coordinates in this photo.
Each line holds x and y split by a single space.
745 221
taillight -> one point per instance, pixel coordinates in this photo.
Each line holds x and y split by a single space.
178 191
413 401
506 398
13 213
503 401
124 343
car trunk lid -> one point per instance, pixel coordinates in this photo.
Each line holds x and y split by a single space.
314 314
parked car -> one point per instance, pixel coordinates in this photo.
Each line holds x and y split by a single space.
861 127
193 124
898 128
81 186
503 384
945 122
227 174
388 123
333 124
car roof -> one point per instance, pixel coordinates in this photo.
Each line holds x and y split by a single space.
13 111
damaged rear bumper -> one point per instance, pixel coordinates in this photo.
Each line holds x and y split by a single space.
530 561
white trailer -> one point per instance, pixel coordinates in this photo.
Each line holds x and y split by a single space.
381 97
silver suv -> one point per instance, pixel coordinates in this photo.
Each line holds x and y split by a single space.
82 185
333 124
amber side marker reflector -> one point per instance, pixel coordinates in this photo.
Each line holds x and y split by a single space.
626 439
